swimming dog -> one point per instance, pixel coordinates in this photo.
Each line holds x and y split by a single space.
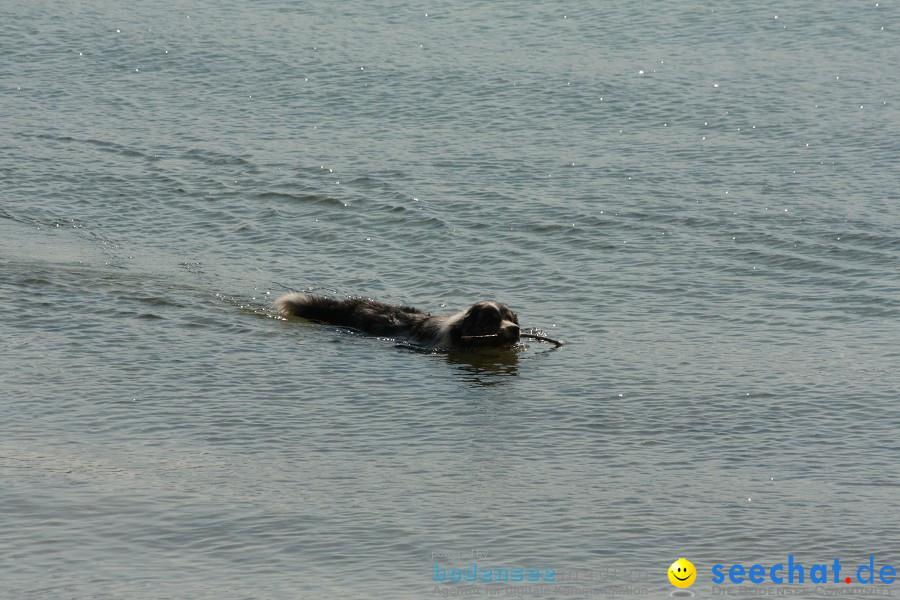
484 324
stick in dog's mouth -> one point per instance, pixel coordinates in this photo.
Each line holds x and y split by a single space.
540 338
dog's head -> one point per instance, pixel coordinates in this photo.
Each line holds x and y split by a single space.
486 324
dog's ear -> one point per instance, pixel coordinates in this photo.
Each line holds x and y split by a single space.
471 323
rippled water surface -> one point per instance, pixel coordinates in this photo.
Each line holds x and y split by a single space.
700 198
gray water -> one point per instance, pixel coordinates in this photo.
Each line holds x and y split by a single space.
701 199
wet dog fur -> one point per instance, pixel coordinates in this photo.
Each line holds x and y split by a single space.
378 318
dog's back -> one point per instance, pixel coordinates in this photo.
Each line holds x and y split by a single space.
366 315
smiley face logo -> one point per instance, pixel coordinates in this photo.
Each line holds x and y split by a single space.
682 573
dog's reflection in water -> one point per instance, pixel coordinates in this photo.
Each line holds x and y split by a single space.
486 367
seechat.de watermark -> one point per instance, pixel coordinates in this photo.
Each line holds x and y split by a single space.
791 571
789 578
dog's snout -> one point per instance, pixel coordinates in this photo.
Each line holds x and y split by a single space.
511 329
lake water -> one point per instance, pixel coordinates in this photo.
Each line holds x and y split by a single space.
700 198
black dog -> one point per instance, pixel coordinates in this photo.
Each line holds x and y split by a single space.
484 324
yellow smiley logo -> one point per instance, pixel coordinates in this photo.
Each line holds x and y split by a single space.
682 573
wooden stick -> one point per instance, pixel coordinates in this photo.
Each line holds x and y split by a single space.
541 338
